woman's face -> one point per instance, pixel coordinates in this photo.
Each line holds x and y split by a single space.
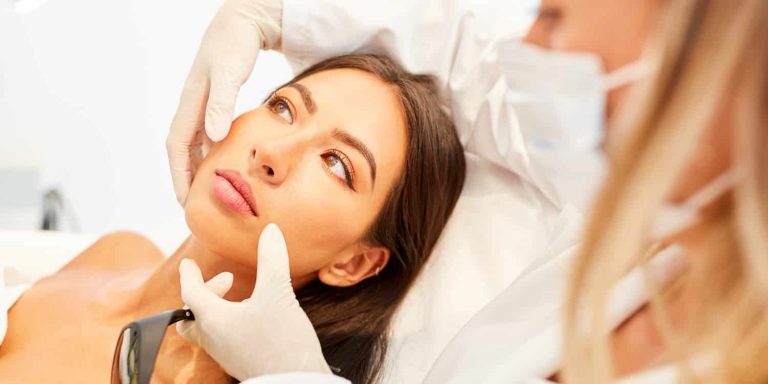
614 30
320 158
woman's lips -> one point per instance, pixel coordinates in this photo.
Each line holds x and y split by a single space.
232 190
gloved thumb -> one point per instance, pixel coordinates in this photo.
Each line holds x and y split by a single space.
219 285
273 265
220 107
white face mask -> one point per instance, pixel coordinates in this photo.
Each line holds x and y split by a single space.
674 218
558 105
566 90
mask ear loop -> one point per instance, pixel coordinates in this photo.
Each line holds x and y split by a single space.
628 74
675 218
713 190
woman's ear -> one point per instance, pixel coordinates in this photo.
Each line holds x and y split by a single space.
363 264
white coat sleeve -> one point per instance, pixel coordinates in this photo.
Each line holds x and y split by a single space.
297 378
424 36
449 39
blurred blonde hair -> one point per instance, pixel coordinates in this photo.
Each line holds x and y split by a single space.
711 52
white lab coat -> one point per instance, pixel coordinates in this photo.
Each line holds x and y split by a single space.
458 41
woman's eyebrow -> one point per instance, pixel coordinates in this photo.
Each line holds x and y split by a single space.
355 143
306 96
338 134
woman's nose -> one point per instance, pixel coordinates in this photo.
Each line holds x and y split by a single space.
270 163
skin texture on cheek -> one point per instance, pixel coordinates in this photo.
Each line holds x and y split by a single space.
317 230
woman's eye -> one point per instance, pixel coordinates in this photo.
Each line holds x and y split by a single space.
280 107
338 168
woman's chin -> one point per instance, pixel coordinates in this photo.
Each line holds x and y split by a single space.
224 234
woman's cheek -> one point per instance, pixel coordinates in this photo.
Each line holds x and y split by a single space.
321 234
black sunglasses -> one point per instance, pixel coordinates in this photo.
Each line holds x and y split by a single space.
138 345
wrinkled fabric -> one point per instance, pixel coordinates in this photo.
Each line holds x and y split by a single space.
521 205
11 288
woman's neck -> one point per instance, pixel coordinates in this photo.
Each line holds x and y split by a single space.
162 289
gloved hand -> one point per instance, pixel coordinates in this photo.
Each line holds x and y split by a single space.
226 57
265 334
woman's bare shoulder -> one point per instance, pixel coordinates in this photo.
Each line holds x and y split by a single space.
118 251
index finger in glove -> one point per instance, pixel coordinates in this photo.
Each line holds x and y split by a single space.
185 126
273 265
194 292
219 285
221 106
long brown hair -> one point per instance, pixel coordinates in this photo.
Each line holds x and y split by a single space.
352 323
711 52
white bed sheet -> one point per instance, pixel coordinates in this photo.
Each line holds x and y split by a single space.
27 256
34 254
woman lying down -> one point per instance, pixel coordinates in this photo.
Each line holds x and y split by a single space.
356 163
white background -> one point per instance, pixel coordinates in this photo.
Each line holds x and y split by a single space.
88 89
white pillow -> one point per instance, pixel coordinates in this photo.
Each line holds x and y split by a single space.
34 254
500 226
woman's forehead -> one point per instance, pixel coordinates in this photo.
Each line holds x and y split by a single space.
335 84
361 104
355 100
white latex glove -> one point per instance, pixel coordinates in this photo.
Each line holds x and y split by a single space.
267 333
219 284
226 57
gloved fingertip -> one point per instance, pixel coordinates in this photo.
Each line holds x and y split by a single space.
181 183
272 263
272 240
181 198
223 276
183 264
216 129
220 284
272 230
189 272
228 277
194 291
